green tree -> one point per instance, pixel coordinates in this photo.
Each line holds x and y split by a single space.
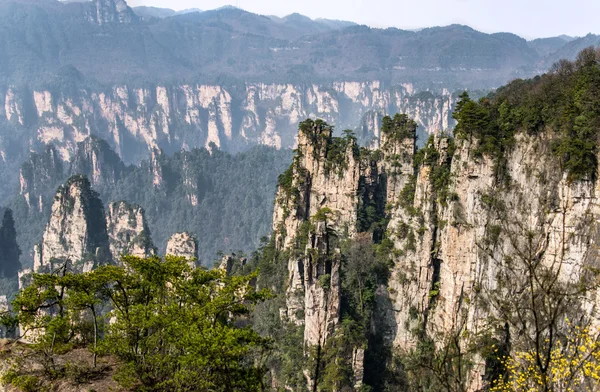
178 328
171 326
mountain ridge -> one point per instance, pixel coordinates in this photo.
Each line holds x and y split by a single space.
234 42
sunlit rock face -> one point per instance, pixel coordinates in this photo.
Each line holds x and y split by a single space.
183 245
76 232
449 250
137 120
128 231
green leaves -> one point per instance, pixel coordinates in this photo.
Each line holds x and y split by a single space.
172 327
565 102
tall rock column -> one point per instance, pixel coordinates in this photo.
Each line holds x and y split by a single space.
398 148
332 191
183 245
76 232
128 231
9 249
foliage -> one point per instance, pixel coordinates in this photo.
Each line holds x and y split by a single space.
324 214
574 365
439 175
334 149
398 128
427 368
25 383
172 327
407 195
566 101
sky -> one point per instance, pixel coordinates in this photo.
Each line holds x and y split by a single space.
527 18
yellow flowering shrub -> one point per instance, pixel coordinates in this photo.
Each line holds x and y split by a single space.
573 365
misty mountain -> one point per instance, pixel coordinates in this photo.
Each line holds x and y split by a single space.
146 12
572 48
109 42
547 46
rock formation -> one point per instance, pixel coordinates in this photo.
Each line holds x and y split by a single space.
453 231
39 174
110 11
128 232
95 159
183 245
9 249
76 232
333 189
136 120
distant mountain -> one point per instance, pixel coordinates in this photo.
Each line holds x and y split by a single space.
153 44
547 46
155 12
571 49
311 26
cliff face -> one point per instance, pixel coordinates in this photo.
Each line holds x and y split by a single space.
38 175
95 159
333 190
110 11
461 225
135 120
183 245
128 231
76 232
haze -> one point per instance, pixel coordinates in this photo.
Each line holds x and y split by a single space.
530 18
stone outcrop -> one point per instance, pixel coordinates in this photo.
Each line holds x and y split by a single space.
324 196
9 249
464 244
128 231
39 174
76 232
455 219
95 159
110 11
183 245
172 117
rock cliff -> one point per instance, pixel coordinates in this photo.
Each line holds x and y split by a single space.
80 233
332 191
94 158
110 11
39 175
128 232
459 229
183 245
171 117
76 232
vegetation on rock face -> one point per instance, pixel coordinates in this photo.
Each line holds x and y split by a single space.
564 101
170 327
334 149
398 128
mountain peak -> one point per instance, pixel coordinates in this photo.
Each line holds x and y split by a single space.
111 11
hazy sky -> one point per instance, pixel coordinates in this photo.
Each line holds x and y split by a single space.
528 18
